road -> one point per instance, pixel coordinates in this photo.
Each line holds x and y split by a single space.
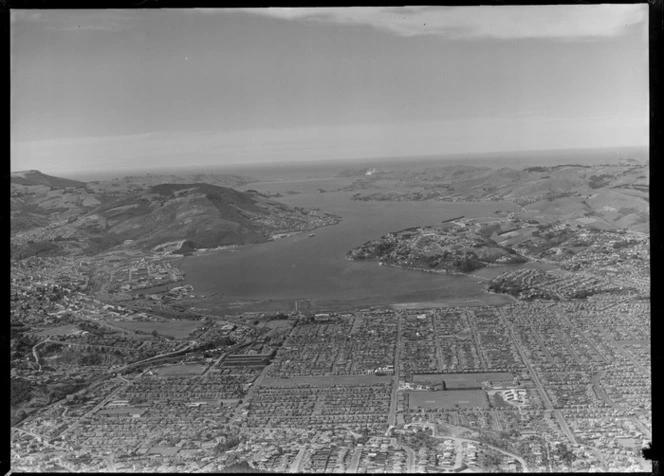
35 435
458 441
476 337
495 448
542 344
295 466
34 352
392 416
109 463
355 460
564 317
538 383
438 348
458 449
411 457
252 389
599 390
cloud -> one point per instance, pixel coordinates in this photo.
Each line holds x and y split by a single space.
497 22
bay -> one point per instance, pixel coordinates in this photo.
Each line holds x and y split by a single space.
316 269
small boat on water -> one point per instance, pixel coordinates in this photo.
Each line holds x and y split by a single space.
311 235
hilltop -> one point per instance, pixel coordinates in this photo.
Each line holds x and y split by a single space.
97 216
35 177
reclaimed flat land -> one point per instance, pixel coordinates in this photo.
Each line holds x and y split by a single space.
175 328
448 399
333 380
463 380
193 369
486 300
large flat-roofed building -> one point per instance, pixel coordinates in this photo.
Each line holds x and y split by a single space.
247 360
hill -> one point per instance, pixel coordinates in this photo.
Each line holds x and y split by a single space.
450 247
35 177
93 219
613 195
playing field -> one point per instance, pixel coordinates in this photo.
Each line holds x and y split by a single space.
275 324
469 380
175 328
326 381
448 399
627 442
164 450
193 369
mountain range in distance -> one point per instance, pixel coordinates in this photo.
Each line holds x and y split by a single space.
613 195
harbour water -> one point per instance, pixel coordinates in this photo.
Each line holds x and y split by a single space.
316 268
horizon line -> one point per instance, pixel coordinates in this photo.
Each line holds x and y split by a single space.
259 164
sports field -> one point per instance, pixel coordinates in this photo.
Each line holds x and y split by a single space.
193 369
178 328
333 380
277 323
448 399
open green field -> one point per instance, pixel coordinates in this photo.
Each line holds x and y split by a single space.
323 381
627 442
193 369
174 328
463 380
164 450
276 324
448 399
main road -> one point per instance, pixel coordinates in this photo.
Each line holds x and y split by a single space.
538 383
392 416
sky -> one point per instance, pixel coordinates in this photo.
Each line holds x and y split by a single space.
104 90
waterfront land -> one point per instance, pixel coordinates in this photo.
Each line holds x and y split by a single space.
120 363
